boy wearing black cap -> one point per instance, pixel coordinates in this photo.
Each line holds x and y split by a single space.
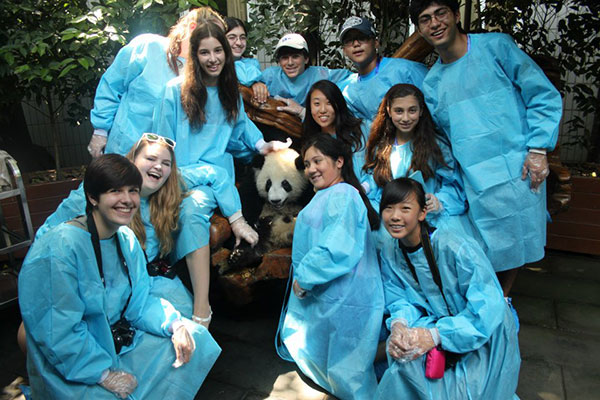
376 75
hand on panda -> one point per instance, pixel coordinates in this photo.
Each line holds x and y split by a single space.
241 230
274 145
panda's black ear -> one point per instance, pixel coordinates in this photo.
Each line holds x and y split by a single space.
258 161
299 163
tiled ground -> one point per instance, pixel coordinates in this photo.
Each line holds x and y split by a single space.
558 301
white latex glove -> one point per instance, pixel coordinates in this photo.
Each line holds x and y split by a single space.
275 145
184 346
96 145
421 341
242 230
536 166
291 107
399 343
121 383
432 204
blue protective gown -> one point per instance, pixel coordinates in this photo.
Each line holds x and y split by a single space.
332 333
211 146
446 185
129 89
494 104
297 88
247 71
171 289
364 93
216 142
481 326
67 314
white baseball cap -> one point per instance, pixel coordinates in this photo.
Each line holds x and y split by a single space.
293 40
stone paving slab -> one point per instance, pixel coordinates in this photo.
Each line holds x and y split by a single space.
580 384
535 311
578 318
212 389
562 348
540 380
570 265
256 369
259 331
548 286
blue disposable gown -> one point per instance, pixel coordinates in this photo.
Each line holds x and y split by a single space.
364 93
446 184
494 104
216 142
481 326
212 145
247 71
297 88
332 333
129 89
171 289
211 187
67 314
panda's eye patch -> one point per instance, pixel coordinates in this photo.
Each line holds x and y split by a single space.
286 186
268 185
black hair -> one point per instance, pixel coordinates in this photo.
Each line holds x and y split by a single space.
399 189
334 148
286 50
417 6
233 22
109 171
347 126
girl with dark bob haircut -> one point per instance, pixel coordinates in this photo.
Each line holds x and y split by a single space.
93 329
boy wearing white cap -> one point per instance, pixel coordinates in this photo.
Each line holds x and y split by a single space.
291 80
376 75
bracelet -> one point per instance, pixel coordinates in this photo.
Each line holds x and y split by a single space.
538 151
200 320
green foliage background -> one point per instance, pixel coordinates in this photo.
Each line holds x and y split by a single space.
320 22
55 51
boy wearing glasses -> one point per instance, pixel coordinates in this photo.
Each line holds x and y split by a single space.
364 90
501 114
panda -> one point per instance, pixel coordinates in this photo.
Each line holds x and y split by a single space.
282 185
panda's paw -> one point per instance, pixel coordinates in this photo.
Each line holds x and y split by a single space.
243 256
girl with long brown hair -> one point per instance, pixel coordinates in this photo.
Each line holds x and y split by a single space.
130 87
203 111
404 142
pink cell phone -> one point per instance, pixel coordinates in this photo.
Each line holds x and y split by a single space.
435 363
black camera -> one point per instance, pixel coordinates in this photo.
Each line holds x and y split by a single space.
160 267
122 334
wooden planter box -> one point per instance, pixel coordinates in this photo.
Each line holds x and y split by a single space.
43 199
578 229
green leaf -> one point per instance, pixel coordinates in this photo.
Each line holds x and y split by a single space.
66 70
84 62
22 68
10 59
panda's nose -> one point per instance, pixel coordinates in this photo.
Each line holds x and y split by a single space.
275 201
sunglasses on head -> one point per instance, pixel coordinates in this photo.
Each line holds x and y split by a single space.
153 137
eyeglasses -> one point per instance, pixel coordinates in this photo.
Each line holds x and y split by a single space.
235 38
441 14
153 137
349 39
